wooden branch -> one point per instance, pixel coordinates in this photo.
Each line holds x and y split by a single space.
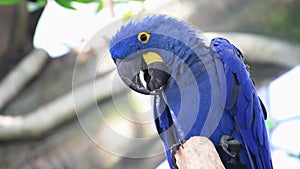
59 110
29 67
263 49
198 153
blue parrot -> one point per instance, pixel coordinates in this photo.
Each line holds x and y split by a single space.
199 89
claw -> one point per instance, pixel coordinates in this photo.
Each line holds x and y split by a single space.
231 147
173 149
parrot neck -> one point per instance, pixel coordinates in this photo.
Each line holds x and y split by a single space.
183 57
195 93
188 93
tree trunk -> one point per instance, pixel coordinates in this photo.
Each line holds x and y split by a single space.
17 27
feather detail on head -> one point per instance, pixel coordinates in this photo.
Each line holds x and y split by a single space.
160 24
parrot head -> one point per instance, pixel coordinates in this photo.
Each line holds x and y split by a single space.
144 50
136 62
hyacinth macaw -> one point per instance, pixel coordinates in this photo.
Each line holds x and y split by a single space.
198 88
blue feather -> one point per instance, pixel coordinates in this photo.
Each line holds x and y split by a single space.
210 92
249 115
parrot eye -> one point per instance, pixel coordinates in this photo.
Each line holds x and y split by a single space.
143 37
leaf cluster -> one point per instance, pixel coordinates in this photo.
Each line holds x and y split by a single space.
65 3
68 3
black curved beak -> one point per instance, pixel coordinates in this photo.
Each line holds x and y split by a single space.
155 75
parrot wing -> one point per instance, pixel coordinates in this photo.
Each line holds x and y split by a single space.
244 105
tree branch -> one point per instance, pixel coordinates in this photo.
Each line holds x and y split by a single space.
58 111
199 153
29 67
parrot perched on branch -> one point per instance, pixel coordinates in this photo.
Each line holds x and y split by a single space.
199 89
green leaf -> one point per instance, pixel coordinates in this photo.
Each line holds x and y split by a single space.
100 6
41 3
126 1
68 3
9 2
83 1
33 6
65 3
270 124
127 16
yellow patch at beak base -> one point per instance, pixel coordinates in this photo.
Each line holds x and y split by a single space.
151 57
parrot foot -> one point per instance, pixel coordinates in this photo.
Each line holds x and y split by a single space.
173 150
231 147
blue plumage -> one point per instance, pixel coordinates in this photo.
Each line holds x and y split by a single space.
247 111
208 90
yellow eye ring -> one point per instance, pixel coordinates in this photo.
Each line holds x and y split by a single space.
144 37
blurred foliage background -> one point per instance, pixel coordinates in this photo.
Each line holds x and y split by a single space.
50 114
